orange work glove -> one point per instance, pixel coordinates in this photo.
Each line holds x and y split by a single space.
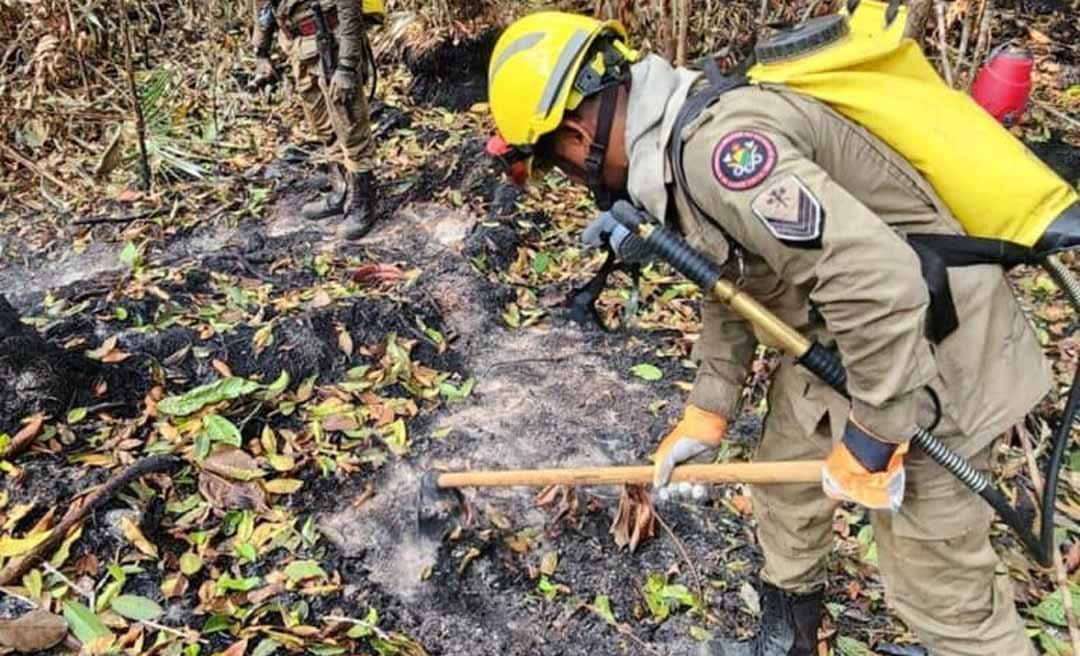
697 432
865 469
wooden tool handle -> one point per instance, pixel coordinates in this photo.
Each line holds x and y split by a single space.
791 471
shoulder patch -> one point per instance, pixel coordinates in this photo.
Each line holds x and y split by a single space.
743 159
791 212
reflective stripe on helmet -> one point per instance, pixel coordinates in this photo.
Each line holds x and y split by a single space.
562 67
519 45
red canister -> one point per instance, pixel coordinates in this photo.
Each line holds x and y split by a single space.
1003 84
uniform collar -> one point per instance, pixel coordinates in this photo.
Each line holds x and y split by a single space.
657 93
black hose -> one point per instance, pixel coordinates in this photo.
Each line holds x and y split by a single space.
827 366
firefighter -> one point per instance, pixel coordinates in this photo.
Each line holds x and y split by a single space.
812 210
329 75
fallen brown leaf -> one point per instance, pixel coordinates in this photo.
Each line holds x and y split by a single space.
25 437
34 631
266 592
368 274
230 462
235 649
224 494
635 520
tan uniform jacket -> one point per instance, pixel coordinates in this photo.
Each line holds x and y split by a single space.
820 207
288 14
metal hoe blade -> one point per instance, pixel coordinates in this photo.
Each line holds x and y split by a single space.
436 508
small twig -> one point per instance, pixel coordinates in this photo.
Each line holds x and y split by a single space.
965 38
1059 565
685 556
15 570
89 596
810 9
26 600
189 636
34 168
1050 109
116 219
136 104
943 46
352 620
625 630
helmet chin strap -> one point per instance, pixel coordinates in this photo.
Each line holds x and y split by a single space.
594 162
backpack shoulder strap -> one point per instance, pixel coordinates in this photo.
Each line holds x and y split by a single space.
719 84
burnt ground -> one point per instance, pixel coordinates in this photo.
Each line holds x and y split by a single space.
551 394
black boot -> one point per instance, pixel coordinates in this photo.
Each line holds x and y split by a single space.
332 203
789 626
359 205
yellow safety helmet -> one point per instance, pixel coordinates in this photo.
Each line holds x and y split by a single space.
542 66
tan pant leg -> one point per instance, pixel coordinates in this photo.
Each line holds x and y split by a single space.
941 574
310 87
794 521
352 128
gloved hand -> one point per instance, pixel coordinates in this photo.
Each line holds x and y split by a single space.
697 432
264 74
628 247
342 85
865 469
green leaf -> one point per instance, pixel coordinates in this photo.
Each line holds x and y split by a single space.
130 256
228 583
846 646
299 570
646 371
202 446
663 598
220 429
700 634
366 629
602 607
547 588
198 398
540 262
137 608
247 551
216 623
866 539
396 438
190 563
84 623
266 647
75 415
275 389
451 392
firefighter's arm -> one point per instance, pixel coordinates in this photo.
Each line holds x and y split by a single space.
722 354
864 280
350 33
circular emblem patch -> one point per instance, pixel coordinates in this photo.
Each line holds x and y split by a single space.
743 159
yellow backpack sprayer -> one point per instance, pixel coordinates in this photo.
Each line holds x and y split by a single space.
1013 207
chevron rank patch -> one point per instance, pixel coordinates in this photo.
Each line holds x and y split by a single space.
791 213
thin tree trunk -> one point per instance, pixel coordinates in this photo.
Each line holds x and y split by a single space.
918 17
136 104
982 42
684 20
943 43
